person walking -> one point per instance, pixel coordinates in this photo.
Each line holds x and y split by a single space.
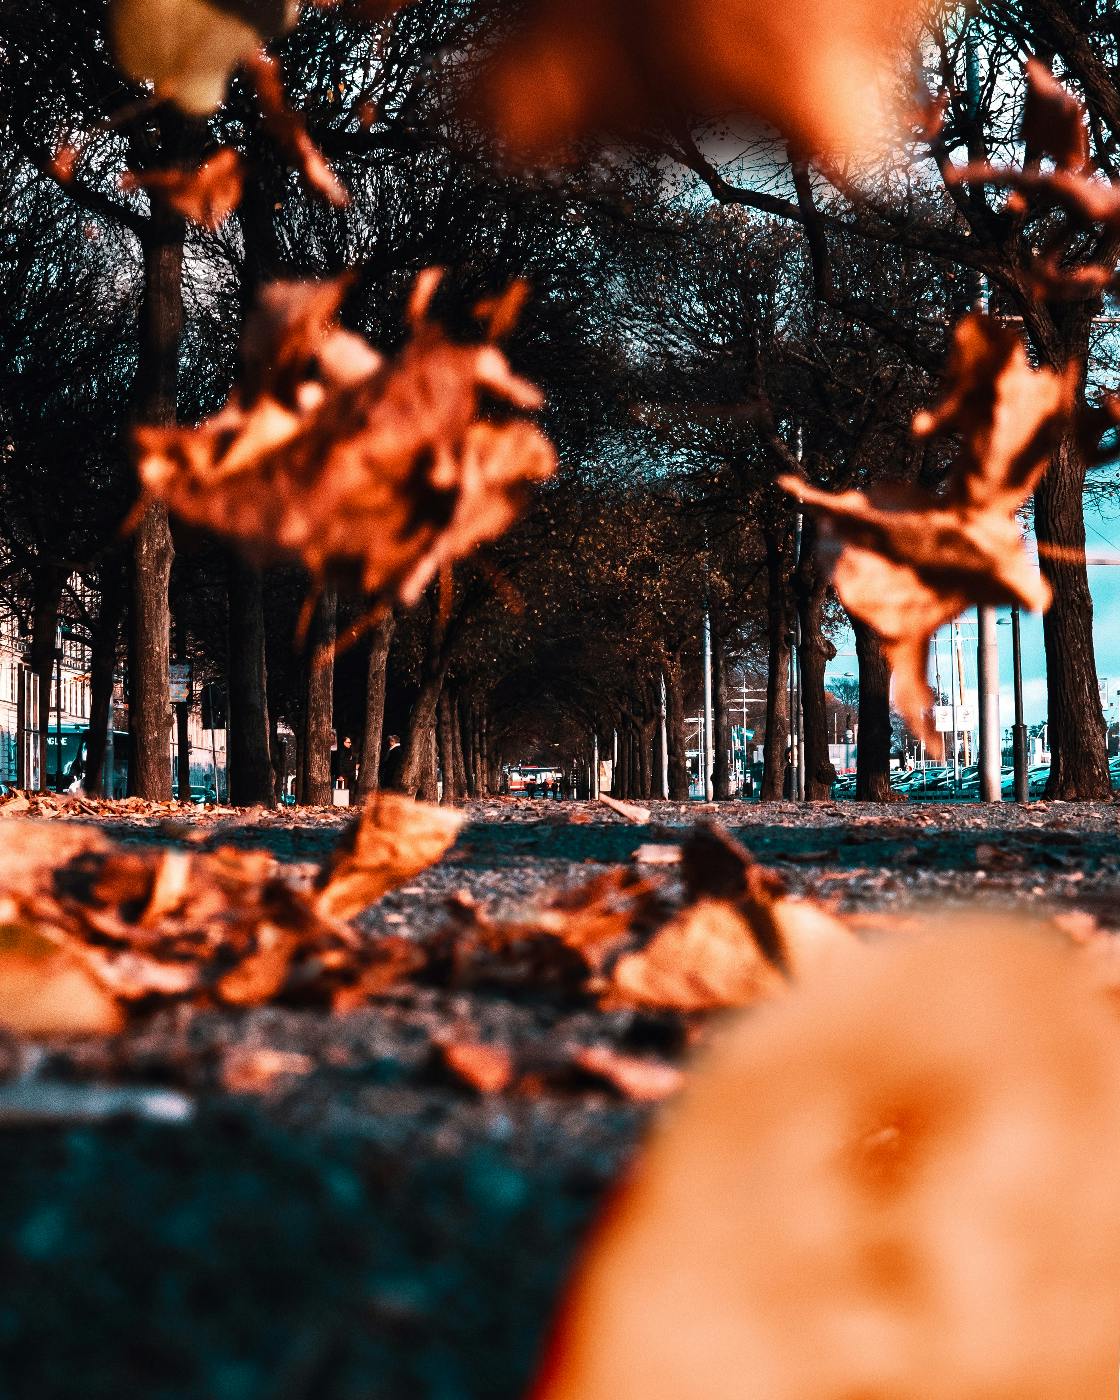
389 775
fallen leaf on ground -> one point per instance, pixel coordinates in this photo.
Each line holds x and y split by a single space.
917 1150
702 959
257 1069
643 1080
486 1068
394 839
45 990
628 810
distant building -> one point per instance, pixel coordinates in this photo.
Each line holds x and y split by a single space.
66 717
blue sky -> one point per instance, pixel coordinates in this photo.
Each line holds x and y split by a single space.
1103 537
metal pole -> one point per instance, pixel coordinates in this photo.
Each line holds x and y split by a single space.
797 718
213 744
953 699
664 720
58 714
594 789
708 750
987 685
1019 729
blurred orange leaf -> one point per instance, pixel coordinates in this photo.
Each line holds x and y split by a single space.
819 71
889 1183
393 840
375 473
206 195
188 48
910 561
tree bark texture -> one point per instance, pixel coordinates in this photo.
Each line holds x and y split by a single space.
675 725
102 674
318 715
251 778
377 676
873 754
44 630
814 653
778 617
149 697
1078 737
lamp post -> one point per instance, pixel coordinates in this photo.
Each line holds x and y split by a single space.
1019 728
57 709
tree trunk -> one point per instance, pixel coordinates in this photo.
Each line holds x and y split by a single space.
1078 737
44 630
182 717
484 766
645 758
776 743
318 714
457 758
873 754
421 732
428 787
445 725
251 778
674 704
721 735
814 653
149 696
377 677
102 674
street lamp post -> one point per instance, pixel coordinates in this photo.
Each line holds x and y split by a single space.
1019 728
57 710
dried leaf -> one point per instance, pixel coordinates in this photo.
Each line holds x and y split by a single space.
643 1080
702 959
290 133
375 474
911 561
64 164
628 810
261 975
1053 121
486 1068
206 195
393 840
913 1161
387 963
817 71
1054 126
257 1070
44 990
188 48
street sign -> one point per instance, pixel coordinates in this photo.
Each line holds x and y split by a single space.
748 735
179 673
943 718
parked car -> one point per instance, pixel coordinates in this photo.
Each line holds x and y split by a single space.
925 782
1037 778
202 794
